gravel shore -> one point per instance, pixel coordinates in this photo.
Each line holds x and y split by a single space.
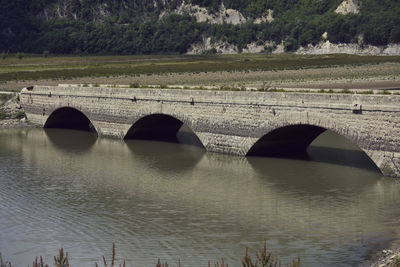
386 258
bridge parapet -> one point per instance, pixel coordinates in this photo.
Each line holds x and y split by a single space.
232 122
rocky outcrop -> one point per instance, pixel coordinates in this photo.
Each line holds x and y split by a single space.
208 46
268 17
348 7
322 48
254 48
201 14
222 15
64 9
100 11
392 49
12 115
327 47
387 258
11 108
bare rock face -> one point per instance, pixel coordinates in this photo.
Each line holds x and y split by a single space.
322 48
348 7
280 48
327 47
11 106
218 47
268 17
231 16
223 15
201 14
63 9
392 49
254 48
12 115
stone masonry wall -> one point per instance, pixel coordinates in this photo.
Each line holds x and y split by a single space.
231 122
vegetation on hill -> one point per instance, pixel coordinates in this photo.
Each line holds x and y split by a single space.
135 27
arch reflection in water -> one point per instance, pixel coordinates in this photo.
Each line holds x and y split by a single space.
333 148
158 152
166 157
71 140
313 178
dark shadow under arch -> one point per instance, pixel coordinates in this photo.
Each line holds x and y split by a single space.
157 127
288 141
294 142
69 118
162 127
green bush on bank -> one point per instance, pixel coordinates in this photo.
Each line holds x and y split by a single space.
3 115
5 97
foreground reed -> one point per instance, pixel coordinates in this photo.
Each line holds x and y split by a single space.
263 259
4 264
112 259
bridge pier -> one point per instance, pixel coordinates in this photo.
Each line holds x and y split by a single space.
388 162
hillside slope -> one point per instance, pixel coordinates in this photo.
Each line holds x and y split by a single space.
199 26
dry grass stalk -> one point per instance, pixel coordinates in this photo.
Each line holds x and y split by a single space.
265 260
5 264
246 261
40 263
223 264
61 261
112 259
162 265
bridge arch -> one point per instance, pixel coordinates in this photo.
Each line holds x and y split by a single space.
286 139
69 118
163 127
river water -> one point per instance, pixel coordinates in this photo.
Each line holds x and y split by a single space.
64 188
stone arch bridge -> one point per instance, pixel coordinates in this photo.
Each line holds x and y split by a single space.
230 122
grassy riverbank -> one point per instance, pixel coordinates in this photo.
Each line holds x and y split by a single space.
283 71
